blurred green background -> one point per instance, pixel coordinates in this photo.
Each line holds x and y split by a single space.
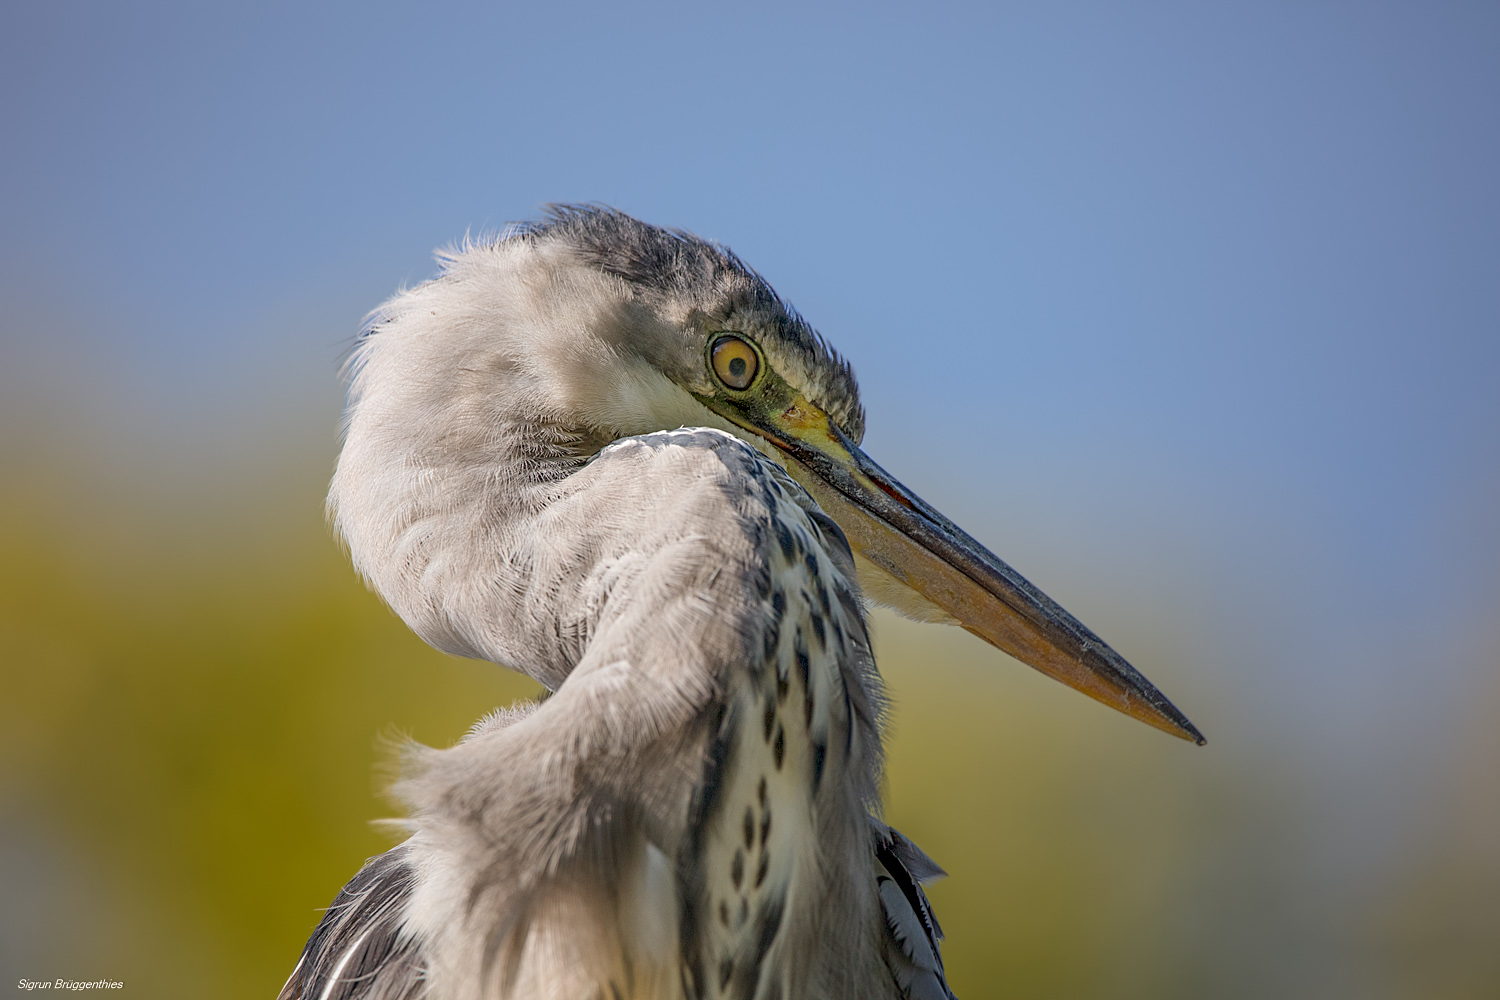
1189 313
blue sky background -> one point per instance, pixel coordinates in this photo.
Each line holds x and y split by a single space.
1228 280
1190 311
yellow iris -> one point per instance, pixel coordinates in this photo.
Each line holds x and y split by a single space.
735 362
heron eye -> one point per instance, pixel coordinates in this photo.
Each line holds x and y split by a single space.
735 362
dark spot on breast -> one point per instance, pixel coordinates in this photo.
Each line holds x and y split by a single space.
768 916
760 792
817 624
724 912
784 539
823 600
763 580
771 638
778 603
726 972
706 798
762 868
811 562
820 755
804 671
737 867
799 646
744 911
778 749
749 828
770 720
765 830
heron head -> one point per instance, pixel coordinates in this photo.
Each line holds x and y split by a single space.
601 327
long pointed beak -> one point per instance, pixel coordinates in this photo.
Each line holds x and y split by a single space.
902 535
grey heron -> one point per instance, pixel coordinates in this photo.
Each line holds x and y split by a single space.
608 455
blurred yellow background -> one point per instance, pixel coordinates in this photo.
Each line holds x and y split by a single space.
201 710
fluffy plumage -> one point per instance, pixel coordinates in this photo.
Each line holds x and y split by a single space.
692 812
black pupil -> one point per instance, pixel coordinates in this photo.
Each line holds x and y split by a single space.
737 368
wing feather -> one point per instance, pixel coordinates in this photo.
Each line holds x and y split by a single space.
358 951
914 955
